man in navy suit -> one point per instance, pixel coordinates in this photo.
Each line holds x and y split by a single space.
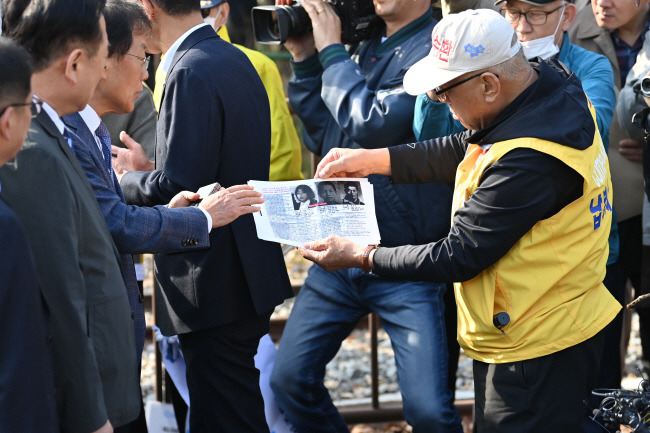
77 264
27 392
213 126
137 229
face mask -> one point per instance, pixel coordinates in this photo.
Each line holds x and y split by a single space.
210 20
543 47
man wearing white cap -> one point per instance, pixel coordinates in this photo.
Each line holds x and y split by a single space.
541 27
531 218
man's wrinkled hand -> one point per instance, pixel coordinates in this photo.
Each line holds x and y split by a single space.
353 163
228 204
183 199
631 149
133 158
333 253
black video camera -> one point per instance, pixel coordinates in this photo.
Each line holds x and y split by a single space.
630 408
642 120
275 24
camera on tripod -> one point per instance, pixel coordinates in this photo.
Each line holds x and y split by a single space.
275 24
630 408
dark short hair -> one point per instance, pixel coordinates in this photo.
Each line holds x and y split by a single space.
306 189
12 10
49 28
322 185
179 7
123 19
346 185
15 73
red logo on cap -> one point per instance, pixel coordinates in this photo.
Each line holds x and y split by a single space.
443 48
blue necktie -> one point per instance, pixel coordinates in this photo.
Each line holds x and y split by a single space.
102 133
67 134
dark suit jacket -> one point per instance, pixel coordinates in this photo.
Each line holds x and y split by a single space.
27 390
135 229
77 265
214 125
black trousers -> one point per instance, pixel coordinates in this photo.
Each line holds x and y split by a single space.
222 379
538 395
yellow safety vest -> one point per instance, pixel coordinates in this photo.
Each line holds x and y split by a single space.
551 281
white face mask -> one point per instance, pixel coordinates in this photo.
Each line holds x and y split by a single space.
543 47
210 20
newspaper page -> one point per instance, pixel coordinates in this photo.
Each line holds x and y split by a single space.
296 212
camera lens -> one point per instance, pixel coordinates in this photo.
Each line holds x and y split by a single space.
645 87
274 24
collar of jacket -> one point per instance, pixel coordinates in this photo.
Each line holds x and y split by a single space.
406 32
553 108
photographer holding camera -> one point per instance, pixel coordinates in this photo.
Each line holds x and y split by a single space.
353 97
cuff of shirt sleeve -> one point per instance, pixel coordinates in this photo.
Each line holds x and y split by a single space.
209 218
332 54
377 263
309 67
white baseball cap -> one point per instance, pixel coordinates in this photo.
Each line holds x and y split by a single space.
468 41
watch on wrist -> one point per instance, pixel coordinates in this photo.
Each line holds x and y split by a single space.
365 262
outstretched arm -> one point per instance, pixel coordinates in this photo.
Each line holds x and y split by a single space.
354 163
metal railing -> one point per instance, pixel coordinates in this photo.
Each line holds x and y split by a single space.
366 413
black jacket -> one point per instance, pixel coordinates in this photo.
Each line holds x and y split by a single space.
522 188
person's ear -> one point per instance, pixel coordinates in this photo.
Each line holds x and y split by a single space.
569 16
490 86
149 9
222 15
71 64
111 64
6 120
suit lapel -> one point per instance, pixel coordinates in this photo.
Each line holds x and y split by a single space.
79 127
50 128
44 120
76 123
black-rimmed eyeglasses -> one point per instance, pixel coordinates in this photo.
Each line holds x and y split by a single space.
144 60
534 18
37 106
440 91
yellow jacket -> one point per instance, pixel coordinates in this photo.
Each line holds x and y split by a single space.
555 298
286 154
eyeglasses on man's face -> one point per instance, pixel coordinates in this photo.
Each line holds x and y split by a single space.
534 18
36 106
441 92
144 60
